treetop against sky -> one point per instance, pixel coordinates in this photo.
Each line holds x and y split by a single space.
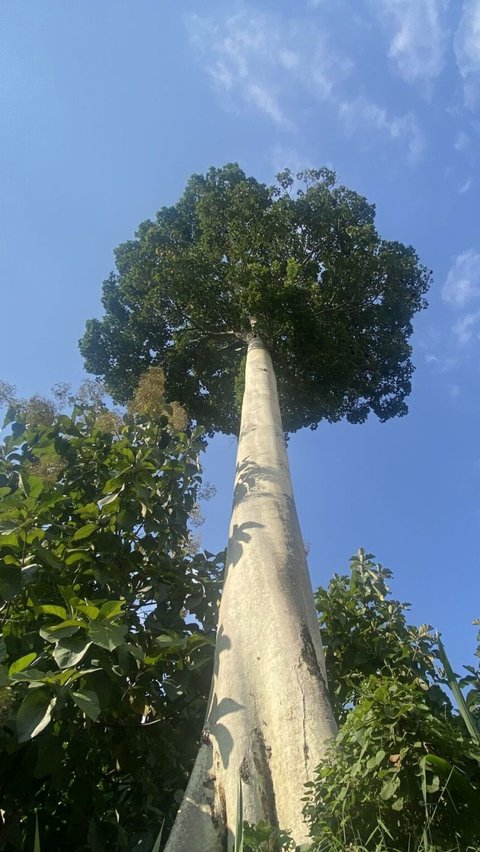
305 266
106 111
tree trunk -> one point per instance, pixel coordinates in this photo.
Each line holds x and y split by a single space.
269 717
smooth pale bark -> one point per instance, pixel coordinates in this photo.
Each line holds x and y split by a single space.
269 718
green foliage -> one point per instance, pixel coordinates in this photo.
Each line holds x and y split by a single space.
333 301
264 838
107 627
261 837
471 681
365 632
404 772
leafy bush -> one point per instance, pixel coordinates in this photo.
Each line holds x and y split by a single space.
107 626
404 772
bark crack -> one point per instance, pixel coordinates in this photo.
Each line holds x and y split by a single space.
304 719
308 655
245 771
261 754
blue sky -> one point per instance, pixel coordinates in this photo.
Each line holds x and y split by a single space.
106 108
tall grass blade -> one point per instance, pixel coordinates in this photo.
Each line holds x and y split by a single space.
156 845
36 843
239 827
458 695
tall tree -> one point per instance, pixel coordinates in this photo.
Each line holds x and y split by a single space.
297 272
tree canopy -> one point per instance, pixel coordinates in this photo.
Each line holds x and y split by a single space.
300 260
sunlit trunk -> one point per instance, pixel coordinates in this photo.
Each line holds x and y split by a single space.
269 718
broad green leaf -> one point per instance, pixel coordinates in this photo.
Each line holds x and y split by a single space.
110 609
164 640
61 631
87 609
389 788
87 701
376 759
76 556
4 679
107 635
51 609
7 526
69 652
29 676
84 532
34 714
22 663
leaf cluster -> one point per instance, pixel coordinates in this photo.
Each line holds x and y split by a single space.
404 771
107 627
305 268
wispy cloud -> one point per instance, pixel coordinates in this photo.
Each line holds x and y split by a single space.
463 280
362 113
267 103
262 59
284 157
279 65
462 141
326 70
418 36
465 186
462 288
244 55
467 328
467 51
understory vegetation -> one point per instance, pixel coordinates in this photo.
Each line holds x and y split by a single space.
107 624
107 632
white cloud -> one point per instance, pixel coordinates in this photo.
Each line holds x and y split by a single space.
418 36
278 65
463 280
266 102
467 327
462 141
243 55
262 59
327 70
288 58
467 50
361 113
454 390
465 186
461 288
287 158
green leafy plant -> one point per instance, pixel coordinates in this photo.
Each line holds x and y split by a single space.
107 625
266 838
404 772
